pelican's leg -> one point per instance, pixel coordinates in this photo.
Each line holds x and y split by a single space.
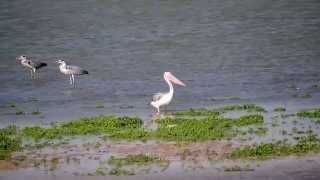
158 110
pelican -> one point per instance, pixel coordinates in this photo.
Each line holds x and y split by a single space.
163 99
31 65
71 70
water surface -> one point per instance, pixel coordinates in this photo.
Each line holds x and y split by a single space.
228 51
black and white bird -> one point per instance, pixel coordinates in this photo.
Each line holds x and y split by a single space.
71 70
31 65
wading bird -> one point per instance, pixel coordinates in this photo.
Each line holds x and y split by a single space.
31 65
71 70
163 99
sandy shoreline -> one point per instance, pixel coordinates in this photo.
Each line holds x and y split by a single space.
291 168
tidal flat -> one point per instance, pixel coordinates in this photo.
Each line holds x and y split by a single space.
232 138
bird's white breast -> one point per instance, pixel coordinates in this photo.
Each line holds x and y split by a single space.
63 69
165 99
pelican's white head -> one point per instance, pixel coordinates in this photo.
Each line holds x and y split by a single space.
172 78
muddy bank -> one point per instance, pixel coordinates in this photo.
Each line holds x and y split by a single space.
307 168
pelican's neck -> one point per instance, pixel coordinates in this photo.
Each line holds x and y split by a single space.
171 90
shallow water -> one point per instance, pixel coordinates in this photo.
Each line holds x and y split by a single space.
259 51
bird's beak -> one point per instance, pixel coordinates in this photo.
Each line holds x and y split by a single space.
175 80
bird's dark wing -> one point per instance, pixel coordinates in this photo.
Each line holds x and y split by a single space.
39 65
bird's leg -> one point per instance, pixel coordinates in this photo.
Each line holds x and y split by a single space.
31 74
34 73
70 78
74 85
158 110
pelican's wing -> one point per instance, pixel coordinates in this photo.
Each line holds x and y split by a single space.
157 96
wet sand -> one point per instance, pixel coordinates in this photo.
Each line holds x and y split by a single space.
292 168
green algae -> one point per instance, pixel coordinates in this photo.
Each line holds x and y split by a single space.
9 142
20 112
238 168
140 159
313 114
243 107
228 108
280 109
120 172
83 126
99 106
183 129
305 145
37 112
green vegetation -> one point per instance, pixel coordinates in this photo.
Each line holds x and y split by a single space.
310 114
100 172
280 109
131 134
266 150
238 168
84 126
12 105
140 159
99 106
197 112
37 112
206 112
243 107
306 96
120 172
175 128
287 115
260 131
8 141
179 129
18 113
210 129
235 98
303 96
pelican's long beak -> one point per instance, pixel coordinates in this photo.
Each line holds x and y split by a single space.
175 80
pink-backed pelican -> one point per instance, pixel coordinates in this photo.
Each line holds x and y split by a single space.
163 99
